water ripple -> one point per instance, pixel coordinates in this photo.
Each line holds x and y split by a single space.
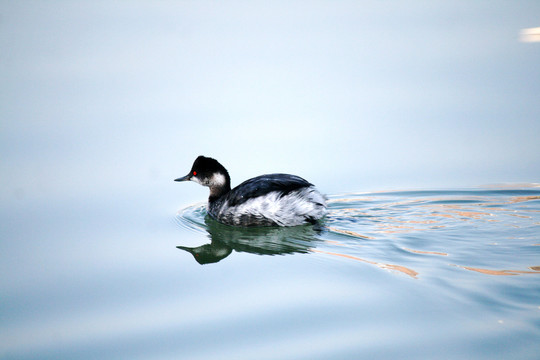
486 231
192 218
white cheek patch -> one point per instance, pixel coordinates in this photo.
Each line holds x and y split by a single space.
217 179
196 179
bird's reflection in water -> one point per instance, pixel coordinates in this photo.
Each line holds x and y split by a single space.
257 240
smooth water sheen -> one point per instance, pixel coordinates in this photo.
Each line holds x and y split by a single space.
387 275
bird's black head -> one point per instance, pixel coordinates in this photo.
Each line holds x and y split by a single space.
209 172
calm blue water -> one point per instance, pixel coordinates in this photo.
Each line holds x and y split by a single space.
411 274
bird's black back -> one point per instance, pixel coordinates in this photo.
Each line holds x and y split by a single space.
264 184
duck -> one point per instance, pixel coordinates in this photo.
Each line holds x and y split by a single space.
266 200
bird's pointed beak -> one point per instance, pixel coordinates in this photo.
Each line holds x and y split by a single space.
184 178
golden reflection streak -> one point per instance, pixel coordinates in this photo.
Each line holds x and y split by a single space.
520 216
399 268
453 210
412 221
350 233
519 199
443 215
471 214
536 270
426 252
419 222
393 229
333 242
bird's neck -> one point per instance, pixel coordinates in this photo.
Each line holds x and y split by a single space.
218 191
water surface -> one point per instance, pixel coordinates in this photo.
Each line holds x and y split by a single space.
420 274
425 273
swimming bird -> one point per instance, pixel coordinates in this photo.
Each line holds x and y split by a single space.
266 200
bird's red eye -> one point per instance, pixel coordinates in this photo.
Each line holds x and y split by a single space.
194 173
